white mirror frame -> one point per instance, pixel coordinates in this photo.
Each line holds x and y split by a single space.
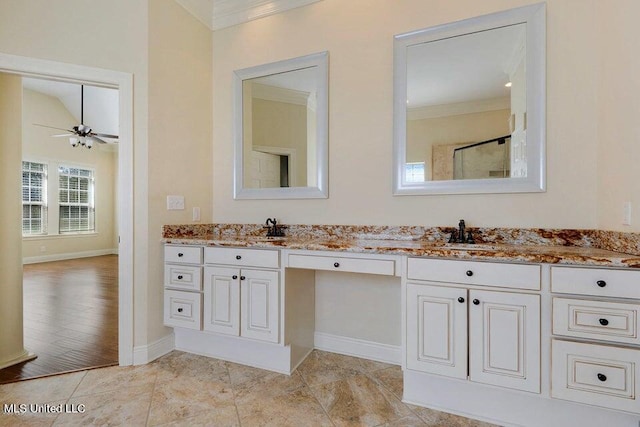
320 60
534 18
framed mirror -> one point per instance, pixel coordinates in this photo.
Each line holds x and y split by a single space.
281 129
469 105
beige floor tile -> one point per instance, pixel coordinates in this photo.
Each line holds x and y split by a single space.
267 386
43 390
391 378
359 401
408 421
184 397
436 418
241 374
178 364
225 416
321 367
295 409
128 406
114 378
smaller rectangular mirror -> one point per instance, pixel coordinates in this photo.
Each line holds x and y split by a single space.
281 129
469 105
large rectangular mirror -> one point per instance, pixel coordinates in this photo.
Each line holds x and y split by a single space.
469 105
281 128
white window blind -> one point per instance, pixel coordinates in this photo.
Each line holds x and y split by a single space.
76 199
34 198
414 172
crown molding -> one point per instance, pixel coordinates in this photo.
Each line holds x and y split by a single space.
227 13
202 10
278 94
445 110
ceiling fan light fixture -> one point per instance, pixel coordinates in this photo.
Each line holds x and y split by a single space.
88 141
74 141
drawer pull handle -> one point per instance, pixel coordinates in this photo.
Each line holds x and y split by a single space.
469 273
179 310
180 255
336 264
476 301
238 257
602 377
601 283
180 277
603 322
234 277
242 277
460 300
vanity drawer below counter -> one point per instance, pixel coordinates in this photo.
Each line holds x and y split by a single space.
502 275
265 258
596 281
347 264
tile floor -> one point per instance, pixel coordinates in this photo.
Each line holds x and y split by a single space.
185 389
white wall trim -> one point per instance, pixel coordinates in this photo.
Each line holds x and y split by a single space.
143 354
358 348
227 13
458 109
279 94
70 255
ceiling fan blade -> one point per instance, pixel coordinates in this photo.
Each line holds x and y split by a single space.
52 127
98 140
60 135
105 135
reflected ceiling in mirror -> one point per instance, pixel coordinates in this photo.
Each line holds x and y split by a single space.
469 106
281 129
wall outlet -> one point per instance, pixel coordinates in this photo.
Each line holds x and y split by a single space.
626 215
196 214
175 203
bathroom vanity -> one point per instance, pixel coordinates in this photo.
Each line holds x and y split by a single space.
506 333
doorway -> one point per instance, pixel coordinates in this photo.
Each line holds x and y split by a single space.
123 82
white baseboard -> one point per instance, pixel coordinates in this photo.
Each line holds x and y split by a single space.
358 348
72 255
146 353
26 355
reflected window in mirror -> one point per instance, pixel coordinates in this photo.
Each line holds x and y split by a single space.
469 104
281 129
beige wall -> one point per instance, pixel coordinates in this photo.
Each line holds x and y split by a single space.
38 145
172 113
423 134
11 343
360 41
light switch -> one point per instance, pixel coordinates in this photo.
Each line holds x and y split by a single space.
175 203
196 214
626 214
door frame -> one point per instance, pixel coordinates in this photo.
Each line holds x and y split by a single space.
40 68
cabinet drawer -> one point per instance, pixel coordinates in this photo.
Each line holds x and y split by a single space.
596 281
344 264
242 257
596 375
519 276
183 254
182 309
600 320
186 277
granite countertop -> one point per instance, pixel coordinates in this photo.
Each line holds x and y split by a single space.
531 253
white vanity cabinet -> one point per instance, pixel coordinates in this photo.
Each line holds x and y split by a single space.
183 286
488 336
240 297
595 345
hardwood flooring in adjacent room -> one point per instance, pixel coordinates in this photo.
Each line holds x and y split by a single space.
70 317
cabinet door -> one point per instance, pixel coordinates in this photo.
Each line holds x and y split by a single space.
504 339
222 300
437 330
260 300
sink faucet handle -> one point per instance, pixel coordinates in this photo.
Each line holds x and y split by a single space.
470 238
452 239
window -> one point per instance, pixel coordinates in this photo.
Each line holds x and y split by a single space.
414 172
34 198
76 199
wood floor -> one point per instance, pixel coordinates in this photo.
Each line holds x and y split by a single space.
70 317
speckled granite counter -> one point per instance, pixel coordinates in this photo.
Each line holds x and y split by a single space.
575 247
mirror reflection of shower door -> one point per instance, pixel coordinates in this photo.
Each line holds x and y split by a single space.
483 160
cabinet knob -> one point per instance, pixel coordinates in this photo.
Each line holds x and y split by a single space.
602 377
242 277
336 264
469 273
234 277
460 299
601 283
180 255
603 322
238 257
180 277
476 301
179 310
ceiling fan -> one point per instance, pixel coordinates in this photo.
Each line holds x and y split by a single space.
82 135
